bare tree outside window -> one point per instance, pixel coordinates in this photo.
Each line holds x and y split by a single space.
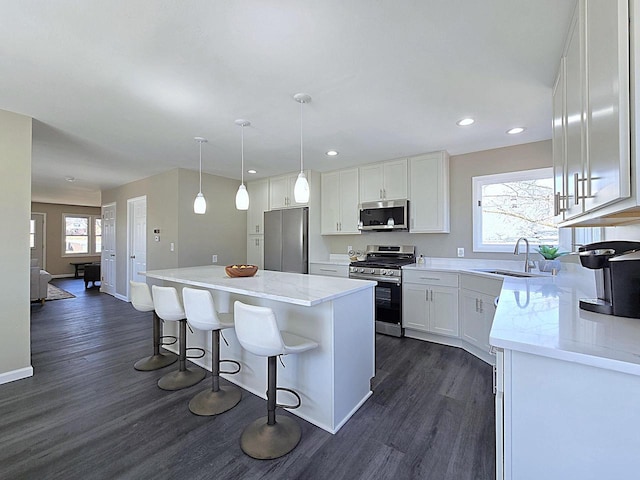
513 205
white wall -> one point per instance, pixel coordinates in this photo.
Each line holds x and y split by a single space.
15 208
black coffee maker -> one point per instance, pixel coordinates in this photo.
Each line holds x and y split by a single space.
617 265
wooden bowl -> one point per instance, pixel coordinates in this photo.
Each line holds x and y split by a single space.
241 270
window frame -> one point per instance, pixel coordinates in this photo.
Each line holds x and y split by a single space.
479 181
90 233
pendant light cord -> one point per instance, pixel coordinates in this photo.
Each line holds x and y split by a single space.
242 156
200 142
301 149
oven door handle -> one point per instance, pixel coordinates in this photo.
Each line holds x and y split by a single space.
395 281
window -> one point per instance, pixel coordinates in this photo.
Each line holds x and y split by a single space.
97 234
508 206
32 234
82 234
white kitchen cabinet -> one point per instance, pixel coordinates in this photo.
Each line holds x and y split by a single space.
592 146
559 134
281 191
429 193
430 301
258 204
383 181
559 419
255 250
339 202
477 308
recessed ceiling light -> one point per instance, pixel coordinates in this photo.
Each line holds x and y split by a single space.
516 130
252 171
70 178
464 122
332 153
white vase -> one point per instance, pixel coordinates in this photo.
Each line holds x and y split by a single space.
545 265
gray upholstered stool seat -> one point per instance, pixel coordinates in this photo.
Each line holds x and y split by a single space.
142 301
169 308
201 314
257 331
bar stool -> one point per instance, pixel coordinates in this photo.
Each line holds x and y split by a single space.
257 331
142 301
201 314
169 308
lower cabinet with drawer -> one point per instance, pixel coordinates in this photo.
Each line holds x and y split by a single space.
430 301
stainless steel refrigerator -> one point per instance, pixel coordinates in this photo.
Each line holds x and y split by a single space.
286 240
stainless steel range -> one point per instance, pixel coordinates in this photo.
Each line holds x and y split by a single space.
383 263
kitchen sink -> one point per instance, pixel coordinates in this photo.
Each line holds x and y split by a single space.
507 273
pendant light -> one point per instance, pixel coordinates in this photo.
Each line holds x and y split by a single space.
242 197
301 188
200 204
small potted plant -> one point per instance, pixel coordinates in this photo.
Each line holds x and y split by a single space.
550 261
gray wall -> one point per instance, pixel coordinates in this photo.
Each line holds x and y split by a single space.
15 208
462 169
222 230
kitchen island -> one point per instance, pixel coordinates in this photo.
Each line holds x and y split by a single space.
333 380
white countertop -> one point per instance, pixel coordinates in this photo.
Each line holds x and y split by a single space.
541 316
294 288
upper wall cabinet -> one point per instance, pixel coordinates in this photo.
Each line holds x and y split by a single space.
258 204
591 143
429 193
383 181
281 191
339 202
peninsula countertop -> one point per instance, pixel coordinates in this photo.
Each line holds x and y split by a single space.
294 288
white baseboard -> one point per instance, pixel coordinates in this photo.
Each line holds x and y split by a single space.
16 375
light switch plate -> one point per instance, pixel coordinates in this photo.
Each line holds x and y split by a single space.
214 258
460 252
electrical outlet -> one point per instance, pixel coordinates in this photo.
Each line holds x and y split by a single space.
460 252
214 258
349 248
172 246
157 238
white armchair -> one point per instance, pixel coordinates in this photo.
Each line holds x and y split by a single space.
39 282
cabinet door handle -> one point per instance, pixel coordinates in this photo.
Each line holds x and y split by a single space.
431 295
481 306
495 379
430 278
476 304
380 196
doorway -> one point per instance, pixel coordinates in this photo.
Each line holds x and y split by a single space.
136 239
108 255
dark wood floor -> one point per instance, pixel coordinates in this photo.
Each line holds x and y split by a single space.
87 414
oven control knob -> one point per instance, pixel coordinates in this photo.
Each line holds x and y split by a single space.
362 270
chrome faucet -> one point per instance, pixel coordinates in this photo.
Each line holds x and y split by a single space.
527 263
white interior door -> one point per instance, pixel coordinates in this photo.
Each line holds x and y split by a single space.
37 240
137 236
108 255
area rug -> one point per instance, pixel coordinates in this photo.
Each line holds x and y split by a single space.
55 293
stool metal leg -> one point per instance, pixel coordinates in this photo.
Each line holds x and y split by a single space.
157 360
183 377
218 398
270 437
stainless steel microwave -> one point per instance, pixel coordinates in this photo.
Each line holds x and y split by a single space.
385 215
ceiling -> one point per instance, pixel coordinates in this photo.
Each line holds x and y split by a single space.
118 89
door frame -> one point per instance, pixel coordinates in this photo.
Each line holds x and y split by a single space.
130 230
